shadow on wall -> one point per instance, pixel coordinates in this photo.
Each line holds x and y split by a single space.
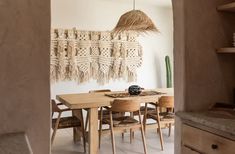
157 64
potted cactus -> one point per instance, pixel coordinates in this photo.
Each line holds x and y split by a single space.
168 72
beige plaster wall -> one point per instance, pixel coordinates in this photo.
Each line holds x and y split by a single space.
179 66
24 70
202 77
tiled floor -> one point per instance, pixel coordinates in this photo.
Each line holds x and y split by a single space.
63 143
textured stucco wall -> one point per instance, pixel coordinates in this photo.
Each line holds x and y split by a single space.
179 66
202 77
24 70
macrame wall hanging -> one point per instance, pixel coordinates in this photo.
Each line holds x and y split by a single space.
85 55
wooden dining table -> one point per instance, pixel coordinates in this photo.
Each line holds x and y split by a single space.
93 101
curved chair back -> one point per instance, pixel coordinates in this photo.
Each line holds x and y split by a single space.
54 106
125 105
166 102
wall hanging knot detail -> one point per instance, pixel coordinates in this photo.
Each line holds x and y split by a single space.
102 56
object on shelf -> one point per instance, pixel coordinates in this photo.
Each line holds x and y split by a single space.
223 110
234 39
220 105
233 95
230 7
226 50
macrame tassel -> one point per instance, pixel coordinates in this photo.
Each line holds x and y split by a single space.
83 75
83 58
63 55
72 48
132 76
105 57
117 60
103 77
54 69
133 60
95 36
54 65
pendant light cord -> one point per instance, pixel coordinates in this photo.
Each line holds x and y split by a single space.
133 4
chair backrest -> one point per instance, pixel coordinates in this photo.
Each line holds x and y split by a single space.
100 91
54 106
125 105
166 102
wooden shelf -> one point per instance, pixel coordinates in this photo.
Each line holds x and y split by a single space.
230 7
226 50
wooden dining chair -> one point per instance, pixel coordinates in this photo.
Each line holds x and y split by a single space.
121 123
164 115
142 111
66 122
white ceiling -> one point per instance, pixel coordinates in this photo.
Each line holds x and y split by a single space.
159 3
162 3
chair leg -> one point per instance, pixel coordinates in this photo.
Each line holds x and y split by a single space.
170 126
87 119
143 139
83 131
159 130
122 136
55 129
143 134
145 117
112 132
131 134
100 125
75 135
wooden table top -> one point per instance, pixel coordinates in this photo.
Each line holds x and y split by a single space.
93 100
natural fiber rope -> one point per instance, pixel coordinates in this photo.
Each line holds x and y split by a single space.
84 55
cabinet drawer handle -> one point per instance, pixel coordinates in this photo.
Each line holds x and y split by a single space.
214 146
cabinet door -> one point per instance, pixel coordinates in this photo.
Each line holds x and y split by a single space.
187 150
206 142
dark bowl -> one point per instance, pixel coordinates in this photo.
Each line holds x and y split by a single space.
134 90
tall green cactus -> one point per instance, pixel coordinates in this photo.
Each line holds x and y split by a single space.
168 72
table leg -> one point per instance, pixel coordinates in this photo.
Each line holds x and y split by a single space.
93 131
76 134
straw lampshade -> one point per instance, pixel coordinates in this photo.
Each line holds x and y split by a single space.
135 20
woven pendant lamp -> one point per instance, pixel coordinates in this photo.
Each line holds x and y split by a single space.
135 20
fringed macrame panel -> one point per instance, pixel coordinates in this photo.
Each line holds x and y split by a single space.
102 56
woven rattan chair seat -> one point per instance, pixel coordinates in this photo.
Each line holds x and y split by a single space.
142 110
121 121
164 116
67 122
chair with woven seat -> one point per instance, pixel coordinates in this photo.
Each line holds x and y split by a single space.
165 117
121 123
66 122
142 112
142 109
